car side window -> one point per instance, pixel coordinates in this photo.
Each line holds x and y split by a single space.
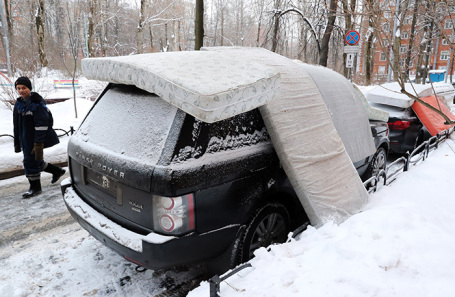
242 130
198 138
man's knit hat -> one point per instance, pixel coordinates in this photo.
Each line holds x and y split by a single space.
23 80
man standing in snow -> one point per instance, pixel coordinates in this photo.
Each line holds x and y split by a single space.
32 133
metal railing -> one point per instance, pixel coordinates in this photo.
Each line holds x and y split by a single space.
65 132
402 164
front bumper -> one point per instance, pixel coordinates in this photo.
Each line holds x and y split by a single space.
152 251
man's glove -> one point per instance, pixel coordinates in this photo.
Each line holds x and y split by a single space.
38 151
17 148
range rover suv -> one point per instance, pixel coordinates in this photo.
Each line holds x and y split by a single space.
164 189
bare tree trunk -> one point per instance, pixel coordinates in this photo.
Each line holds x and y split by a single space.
103 38
276 28
39 20
302 44
179 41
166 40
140 28
222 27
9 21
259 29
199 25
151 37
324 54
411 37
427 53
91 29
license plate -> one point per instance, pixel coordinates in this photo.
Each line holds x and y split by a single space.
102 181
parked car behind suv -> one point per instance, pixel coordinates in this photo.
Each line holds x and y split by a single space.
406 130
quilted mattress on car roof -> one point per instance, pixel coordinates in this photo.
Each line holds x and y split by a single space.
203 84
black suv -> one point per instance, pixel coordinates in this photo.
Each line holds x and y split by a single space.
164 189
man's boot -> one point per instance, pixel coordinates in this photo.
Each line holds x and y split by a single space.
56 172
35 189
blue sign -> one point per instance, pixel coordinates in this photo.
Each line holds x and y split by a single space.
352 37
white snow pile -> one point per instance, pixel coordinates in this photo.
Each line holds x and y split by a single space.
401 244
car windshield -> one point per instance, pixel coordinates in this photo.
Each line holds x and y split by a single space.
129 122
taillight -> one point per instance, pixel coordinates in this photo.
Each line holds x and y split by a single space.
173 215
398 125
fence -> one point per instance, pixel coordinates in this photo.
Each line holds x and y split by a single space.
402 164
17 172
388 175
65 133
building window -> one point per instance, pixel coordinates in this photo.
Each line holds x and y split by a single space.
448 24
381 70
403 48
386 27
445 41
407 21
387 15
382 57
404 35
444 55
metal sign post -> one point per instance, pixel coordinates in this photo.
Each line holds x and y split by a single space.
351 49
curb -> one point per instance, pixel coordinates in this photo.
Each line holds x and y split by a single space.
19 172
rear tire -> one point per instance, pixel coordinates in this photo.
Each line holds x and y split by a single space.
268 226
378 163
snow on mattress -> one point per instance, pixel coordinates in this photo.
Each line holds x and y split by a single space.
390 93
207 85
307 143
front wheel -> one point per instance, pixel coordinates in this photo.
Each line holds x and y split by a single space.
268 226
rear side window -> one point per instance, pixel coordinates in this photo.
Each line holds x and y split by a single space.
129 122
198 138
242 130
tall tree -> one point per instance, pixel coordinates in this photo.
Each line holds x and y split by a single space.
276 26
412 37
369 46
39 20
91 28
140 27
199 25
331 17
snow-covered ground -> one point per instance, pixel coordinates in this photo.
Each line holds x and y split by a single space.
401 244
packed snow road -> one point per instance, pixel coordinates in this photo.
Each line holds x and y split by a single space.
47 253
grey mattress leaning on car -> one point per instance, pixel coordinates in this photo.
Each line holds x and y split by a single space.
307 142
218 83
346 109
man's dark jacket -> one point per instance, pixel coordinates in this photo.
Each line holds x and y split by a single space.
33 123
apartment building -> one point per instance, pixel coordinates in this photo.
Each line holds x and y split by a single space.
433 33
